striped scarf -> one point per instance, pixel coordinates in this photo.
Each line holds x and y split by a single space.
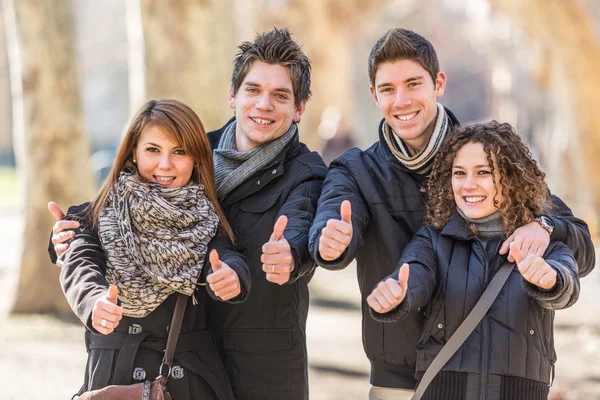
422 162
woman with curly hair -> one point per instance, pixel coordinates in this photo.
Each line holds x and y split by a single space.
484 184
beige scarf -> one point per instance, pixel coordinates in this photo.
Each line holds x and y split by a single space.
155 239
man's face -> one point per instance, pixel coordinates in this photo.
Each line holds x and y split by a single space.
407 97
264 105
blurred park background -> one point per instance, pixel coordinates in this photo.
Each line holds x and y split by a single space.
73 72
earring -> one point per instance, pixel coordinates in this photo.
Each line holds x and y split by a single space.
134 161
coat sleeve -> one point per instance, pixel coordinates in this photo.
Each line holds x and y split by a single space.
420 256
566 291
82 275
235 260
300 208
339 185
575 233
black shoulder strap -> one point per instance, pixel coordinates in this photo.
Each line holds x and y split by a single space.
464 330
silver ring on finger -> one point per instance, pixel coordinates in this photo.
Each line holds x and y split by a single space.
273 268
103 323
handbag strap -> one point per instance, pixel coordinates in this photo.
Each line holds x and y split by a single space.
174 330
464 330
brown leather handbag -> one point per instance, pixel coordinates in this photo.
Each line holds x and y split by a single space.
157 389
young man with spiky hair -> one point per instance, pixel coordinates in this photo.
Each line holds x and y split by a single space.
373 202
268 185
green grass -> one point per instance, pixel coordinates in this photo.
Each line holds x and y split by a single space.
8 187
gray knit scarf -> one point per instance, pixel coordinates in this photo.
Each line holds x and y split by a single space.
422 162
233 167
485 227
155 239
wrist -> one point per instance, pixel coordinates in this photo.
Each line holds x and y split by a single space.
546 223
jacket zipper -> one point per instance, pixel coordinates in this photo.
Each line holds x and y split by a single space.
485 327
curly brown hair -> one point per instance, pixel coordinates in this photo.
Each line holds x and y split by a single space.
523 183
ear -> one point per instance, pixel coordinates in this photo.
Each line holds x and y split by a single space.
231 97
440 84
299 111
374 95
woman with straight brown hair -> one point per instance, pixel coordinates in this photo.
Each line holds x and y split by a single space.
143 240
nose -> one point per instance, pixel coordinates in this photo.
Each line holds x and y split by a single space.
264 102
470 182
165 162
402 100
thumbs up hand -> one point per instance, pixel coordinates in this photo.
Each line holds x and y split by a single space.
276 257
388 294
534 269
223 280
62 231
337 234
106 313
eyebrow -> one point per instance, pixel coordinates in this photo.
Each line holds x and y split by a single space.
475 166
281 89
408 80
158 145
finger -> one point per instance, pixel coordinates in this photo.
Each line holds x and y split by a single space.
383 302
107 310
222 284
56 211
59 263
327 253
403 275
279 228
64 225
516 253
506 245
60 238
112 294
337 233
526 248
346 212
548 281
277 258
526 267
537 275
391 291
541 249
61 248
276 248
230 295
214 260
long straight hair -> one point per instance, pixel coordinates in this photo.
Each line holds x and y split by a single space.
181 125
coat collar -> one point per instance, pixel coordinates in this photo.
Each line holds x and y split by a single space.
457 228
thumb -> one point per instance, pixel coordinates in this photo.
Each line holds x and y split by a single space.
346 211
505 246
112 293
516 253
279 228
214 260
56 211
403 277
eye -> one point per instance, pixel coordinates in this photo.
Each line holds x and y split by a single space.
281 96
152 150
179 152
414 84
484 172
458 173
385 90
252 90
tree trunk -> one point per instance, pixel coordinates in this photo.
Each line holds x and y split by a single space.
189 46
51 149
565 30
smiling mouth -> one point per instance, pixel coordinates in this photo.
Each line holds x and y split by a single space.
164 180
261 121
474 199
406 117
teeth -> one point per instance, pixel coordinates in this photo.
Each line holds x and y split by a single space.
164 179
261 121
406 117
474 199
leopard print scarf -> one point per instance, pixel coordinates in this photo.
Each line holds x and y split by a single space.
155 239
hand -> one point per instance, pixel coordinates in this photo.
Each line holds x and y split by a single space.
530 239
106 313
61 231
276 257
534 269
390 293
223 280
337 234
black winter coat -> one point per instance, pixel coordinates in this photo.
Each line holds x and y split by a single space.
388 205
510 354
115 358
263 340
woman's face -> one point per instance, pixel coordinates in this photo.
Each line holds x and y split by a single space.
162 161
472 184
